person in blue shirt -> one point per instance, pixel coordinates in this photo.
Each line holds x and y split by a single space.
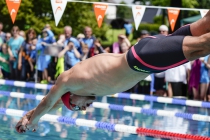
48 27
204 77
32 59
70 58
89 39
43 59
128 29
14 44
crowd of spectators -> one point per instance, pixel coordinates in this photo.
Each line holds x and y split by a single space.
29 56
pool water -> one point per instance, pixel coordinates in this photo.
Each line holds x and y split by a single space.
57 131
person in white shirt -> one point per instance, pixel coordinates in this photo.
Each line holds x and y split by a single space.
177 79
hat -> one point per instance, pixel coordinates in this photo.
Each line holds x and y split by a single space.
66 101
163 28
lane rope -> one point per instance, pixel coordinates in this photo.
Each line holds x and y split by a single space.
118 95
195 117
107 126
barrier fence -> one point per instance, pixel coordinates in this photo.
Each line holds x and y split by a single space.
108 126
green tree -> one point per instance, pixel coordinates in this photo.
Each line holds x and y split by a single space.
124 11
36 13
204 4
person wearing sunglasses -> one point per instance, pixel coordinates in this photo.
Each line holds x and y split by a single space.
106 73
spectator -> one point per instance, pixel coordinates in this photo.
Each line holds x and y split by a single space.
2 34
163 29
160 84
208 92
4 62
204 77
96 49
22 33
54 49
60 63
48 27
69 57
115 48
88 39
194 80
44 60
7 37
23 64
85 51
80 37
32 59
61 40
128 29
177 79
73 56
1 42
14 45
124 47
143 34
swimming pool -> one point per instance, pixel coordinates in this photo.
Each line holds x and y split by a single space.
55 131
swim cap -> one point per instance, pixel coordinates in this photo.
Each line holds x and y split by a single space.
66 101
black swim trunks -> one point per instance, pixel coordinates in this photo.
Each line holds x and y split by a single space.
158 53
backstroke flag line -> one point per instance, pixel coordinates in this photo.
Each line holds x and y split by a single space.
203 12
13 7
100 10
138 13
172 17
58 7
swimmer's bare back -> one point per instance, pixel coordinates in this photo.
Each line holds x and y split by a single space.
101 75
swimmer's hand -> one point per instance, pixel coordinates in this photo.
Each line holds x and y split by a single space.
32 126
23 125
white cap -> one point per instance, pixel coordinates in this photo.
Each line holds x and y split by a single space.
163 28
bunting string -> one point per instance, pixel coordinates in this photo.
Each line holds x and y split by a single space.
100 8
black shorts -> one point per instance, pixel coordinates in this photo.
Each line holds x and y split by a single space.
158 53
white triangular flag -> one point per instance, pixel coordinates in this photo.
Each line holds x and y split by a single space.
203 12
138 12
58 7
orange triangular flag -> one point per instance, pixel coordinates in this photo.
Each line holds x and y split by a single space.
100 10
13 7
172 16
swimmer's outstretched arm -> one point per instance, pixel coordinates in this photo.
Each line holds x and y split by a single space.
21 125
49 102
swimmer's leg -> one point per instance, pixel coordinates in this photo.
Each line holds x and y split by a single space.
196 43
201 26
195 47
